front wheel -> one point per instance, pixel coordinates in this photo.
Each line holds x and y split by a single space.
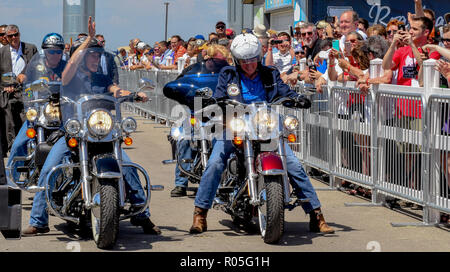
105 216
271 210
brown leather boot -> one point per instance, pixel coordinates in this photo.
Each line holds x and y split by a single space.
199 225
32 231
317 223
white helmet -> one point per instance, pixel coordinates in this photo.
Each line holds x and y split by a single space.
246 47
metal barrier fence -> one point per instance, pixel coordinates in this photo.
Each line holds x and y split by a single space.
394 141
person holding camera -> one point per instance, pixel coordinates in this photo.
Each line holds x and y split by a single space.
282 59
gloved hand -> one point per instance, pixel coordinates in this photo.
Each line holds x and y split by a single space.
302 102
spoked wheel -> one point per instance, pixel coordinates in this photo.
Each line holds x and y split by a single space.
105 215
271 210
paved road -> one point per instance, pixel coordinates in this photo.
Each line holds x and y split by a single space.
359 229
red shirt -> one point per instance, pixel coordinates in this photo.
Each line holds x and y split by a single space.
408 69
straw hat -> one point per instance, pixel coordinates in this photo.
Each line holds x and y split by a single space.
260 31
300 24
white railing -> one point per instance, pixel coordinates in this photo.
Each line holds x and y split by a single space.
362 139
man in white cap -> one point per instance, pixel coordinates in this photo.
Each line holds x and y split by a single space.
260 32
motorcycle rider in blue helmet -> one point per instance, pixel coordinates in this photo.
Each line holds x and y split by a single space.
53 46
258 83
39 217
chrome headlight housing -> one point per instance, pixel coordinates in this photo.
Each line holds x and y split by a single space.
291 122
237 125
52 113
73 127
265 122
129 125
100 123
32 114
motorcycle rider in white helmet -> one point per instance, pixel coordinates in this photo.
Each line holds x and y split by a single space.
256 83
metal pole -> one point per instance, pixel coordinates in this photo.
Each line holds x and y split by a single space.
167 15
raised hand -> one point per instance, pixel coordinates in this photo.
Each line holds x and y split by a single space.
91 27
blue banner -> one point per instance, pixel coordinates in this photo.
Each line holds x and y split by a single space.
377 12
278 4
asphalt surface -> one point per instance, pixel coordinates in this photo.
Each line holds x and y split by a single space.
358 229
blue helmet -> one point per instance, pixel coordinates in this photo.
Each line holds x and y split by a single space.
53 40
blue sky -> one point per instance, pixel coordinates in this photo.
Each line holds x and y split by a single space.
118 20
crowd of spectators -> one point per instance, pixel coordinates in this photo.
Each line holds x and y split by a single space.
336 49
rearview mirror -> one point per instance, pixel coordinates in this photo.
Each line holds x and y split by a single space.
9 78
38 85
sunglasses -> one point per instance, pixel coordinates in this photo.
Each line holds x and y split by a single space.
445 40
54 52
13 35
304 34
248 61
353 41
391 32
2 34
220 27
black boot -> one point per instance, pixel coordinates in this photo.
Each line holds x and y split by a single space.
178 192
147 225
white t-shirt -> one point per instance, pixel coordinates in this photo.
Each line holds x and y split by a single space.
283 62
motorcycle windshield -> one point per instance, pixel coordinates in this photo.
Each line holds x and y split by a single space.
199 75
43 75
85 91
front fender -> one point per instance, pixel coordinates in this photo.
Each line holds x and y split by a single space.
269 163
106 167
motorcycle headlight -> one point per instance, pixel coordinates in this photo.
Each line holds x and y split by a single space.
73 127
291 123
176 132
129 125
100 123
237 125
31 114
52 113
265 120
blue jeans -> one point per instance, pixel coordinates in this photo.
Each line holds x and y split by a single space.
18 149
39 216
184 151
217 164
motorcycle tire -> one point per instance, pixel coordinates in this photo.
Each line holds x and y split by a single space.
271 211
106 228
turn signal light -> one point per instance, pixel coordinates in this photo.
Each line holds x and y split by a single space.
72 142
193 121
238 140
128 141
292 138
31 133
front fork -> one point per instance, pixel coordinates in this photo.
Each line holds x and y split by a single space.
86 178
249 156
286 185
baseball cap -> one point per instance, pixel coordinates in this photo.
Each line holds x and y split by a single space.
447 17
298 49
220 23
247 30
199 37
230 33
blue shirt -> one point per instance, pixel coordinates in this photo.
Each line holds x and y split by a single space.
252 90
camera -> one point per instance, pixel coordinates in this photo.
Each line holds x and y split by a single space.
273 42
402 27
329 19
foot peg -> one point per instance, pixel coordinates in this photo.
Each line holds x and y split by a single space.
169 161
35 189
156 188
